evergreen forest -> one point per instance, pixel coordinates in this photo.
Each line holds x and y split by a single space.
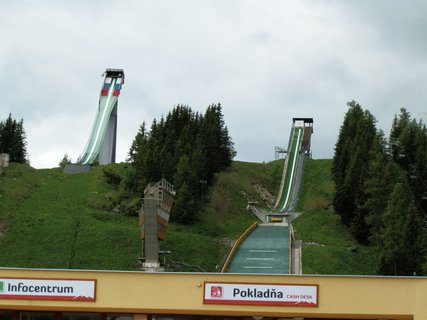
185 148
381 191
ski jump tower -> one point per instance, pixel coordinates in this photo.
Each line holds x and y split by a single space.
307 124
101 146
153 221
299 147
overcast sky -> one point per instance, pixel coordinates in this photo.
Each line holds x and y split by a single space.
264 61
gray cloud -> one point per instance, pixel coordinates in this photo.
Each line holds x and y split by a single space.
266 62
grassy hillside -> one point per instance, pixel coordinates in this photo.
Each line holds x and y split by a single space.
328 246
52 220
48 221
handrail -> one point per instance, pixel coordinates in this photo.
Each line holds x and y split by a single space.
285 168
291 256
282 182
237 244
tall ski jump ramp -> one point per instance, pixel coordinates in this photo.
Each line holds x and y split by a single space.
101 145
268 248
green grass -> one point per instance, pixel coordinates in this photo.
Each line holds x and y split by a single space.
52 220
49 219
328 246
317 188
224 216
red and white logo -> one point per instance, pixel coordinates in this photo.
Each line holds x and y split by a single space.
216 292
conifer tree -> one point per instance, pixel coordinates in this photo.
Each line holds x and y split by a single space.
345 144
382 175
135 180
219 147
13 140
414 242
185 207
392 257
409 140
381 186
65 160
403 249
138 144
350 168
183 139
418 173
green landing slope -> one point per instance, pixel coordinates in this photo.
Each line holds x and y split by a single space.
265 250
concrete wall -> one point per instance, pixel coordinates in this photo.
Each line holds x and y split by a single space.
76 168
339 297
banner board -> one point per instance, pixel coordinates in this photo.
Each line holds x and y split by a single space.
47 289
261 294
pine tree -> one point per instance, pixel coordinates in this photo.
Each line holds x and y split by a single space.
202 140
135 179
399 123
409 140
418 175
185 207
219 147
13 140
414 242
391 256
381 186
350 168
402 235
344 200
345 144
138 144
383 175
65 160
